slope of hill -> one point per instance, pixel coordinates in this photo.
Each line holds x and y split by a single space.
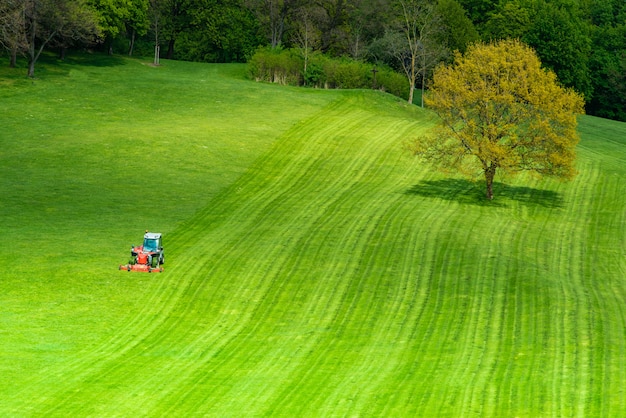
313 268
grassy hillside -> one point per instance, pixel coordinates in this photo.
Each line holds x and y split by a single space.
312 267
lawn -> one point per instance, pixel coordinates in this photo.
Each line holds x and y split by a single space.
313 268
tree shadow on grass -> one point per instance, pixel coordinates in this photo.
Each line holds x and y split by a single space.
473 193
97 59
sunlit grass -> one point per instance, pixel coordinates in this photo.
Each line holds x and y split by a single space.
313 267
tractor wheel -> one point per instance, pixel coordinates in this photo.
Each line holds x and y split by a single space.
154 262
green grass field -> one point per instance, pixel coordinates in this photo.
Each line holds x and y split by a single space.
313 268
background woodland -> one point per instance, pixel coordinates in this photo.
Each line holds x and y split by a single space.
583 41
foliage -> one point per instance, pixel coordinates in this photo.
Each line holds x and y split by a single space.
580 40
53 22
390 81
12 28
572 37
273 17
479 10
459 31
112 14
221 31
286 66
275 65
607 63
609 74
420 26
560 38
500 110
510 20
347 74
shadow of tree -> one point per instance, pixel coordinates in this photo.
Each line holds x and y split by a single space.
97 59
473 193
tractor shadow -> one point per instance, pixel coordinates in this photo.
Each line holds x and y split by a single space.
473 193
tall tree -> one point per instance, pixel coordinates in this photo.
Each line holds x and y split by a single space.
607 61
459 31
561 40
479 10
79 26
173 19
137 22
156 17
64 20
421 28
511 20
305 37
274 17
12 24
112 18
365 21
500 110
219 31
331 23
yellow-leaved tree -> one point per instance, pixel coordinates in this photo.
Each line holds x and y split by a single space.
500 110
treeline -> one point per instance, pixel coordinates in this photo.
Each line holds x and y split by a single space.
583 41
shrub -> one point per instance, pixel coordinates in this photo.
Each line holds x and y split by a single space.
286 66
315 75
350 74
275 65
393 83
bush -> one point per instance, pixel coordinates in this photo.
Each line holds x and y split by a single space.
350 74
286 66
275 65
314 75
393 83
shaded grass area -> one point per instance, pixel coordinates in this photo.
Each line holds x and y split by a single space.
469 192
313 268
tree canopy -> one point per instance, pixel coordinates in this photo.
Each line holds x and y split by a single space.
500 110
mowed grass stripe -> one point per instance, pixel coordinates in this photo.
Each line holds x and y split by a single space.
603 256
130 331
412 384
324 230
419 300
575 305
187 267
316 365
329 281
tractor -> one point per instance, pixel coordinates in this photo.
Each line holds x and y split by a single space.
148 257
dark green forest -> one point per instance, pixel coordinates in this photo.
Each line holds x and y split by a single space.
582 41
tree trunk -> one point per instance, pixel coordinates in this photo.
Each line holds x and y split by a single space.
412 79
13 59
131 45
490 173
31 67
31 48
423 72
170 49
423 87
